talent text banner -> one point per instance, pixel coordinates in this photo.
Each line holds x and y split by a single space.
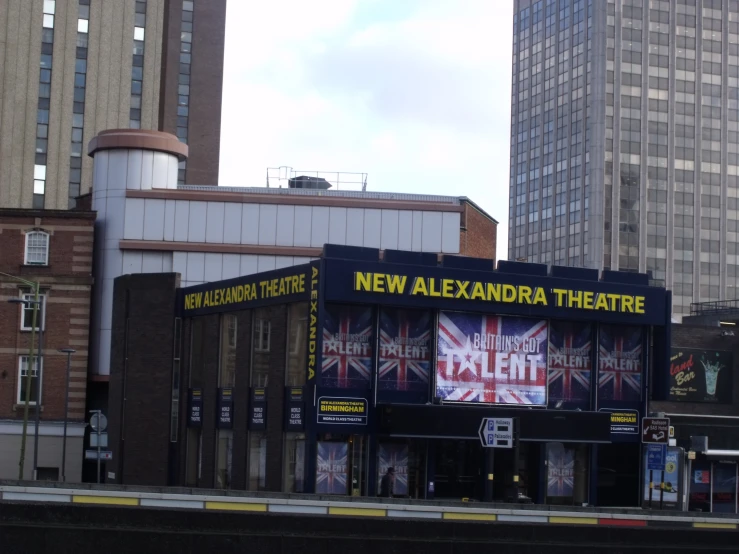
405 350
569 363
347 347
620 363
394 456
331 468
491 359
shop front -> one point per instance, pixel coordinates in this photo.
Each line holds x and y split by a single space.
318 378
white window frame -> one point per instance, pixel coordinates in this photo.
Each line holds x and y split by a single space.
259 328
24 307
23 361
34 233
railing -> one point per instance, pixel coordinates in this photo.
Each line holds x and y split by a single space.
714 307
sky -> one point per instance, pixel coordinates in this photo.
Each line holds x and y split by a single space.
415 93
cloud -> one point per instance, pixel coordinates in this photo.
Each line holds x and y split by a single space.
416 94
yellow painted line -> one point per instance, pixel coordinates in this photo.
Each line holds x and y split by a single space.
369 512
575 520
236 506
469 517
714 525
111 500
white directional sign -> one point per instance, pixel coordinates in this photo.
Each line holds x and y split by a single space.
93 455
496 432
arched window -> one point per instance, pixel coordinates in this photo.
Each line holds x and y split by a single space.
37 248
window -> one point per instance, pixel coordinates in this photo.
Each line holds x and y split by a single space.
37 248
23 378
262 328
27 312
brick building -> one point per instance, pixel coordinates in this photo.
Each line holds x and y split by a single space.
53 248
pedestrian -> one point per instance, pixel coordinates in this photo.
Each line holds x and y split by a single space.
387 484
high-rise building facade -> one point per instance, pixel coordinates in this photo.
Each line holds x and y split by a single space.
625 140
71 68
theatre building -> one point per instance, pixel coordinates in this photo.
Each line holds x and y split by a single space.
318 377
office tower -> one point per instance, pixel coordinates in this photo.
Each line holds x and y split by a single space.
625 140
71 68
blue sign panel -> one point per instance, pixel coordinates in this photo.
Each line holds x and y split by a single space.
656 455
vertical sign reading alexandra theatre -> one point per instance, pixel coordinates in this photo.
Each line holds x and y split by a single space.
347 347
405 350
314 319
619 363
569 363
491 359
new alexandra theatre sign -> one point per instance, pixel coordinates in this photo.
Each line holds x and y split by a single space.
493 292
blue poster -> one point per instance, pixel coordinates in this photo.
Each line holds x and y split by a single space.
569 364
405 350
347 347
560 470
619 363
331 468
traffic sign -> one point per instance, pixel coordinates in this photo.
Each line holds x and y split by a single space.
93 455
496 432
98 419
103 440
656 457
655 430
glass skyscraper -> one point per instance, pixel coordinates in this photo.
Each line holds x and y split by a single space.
625 140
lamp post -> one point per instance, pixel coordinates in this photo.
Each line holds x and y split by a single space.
35 290
37 309
68 352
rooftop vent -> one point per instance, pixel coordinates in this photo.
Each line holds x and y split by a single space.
307 182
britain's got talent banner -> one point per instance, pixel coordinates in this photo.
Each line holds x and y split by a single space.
491 359
620 363
569 362
347 347
405 350
331 468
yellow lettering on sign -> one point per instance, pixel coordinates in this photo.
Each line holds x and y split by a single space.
587 300
559 295
509 293
540 297
419 287
478 292
639 304
396 284
524 294
378 282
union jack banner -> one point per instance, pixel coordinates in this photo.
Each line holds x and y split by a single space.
619 363
331 463
395 456
405 350
569 362
347 347
560 471
491 359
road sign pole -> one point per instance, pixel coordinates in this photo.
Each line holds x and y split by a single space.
489 473
661 488
651 483
516 467
98 433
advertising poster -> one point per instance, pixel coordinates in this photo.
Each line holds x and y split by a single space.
405 350
331 468
698 375
569 363
395 456
672 480
347 347
342 411
619 363
491 359
560 471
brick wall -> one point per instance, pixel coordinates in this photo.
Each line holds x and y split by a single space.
141 373
477 236
67 282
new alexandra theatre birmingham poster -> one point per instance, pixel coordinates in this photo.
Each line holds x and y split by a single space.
491 359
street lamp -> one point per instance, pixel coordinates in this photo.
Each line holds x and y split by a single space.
37 308
68 352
